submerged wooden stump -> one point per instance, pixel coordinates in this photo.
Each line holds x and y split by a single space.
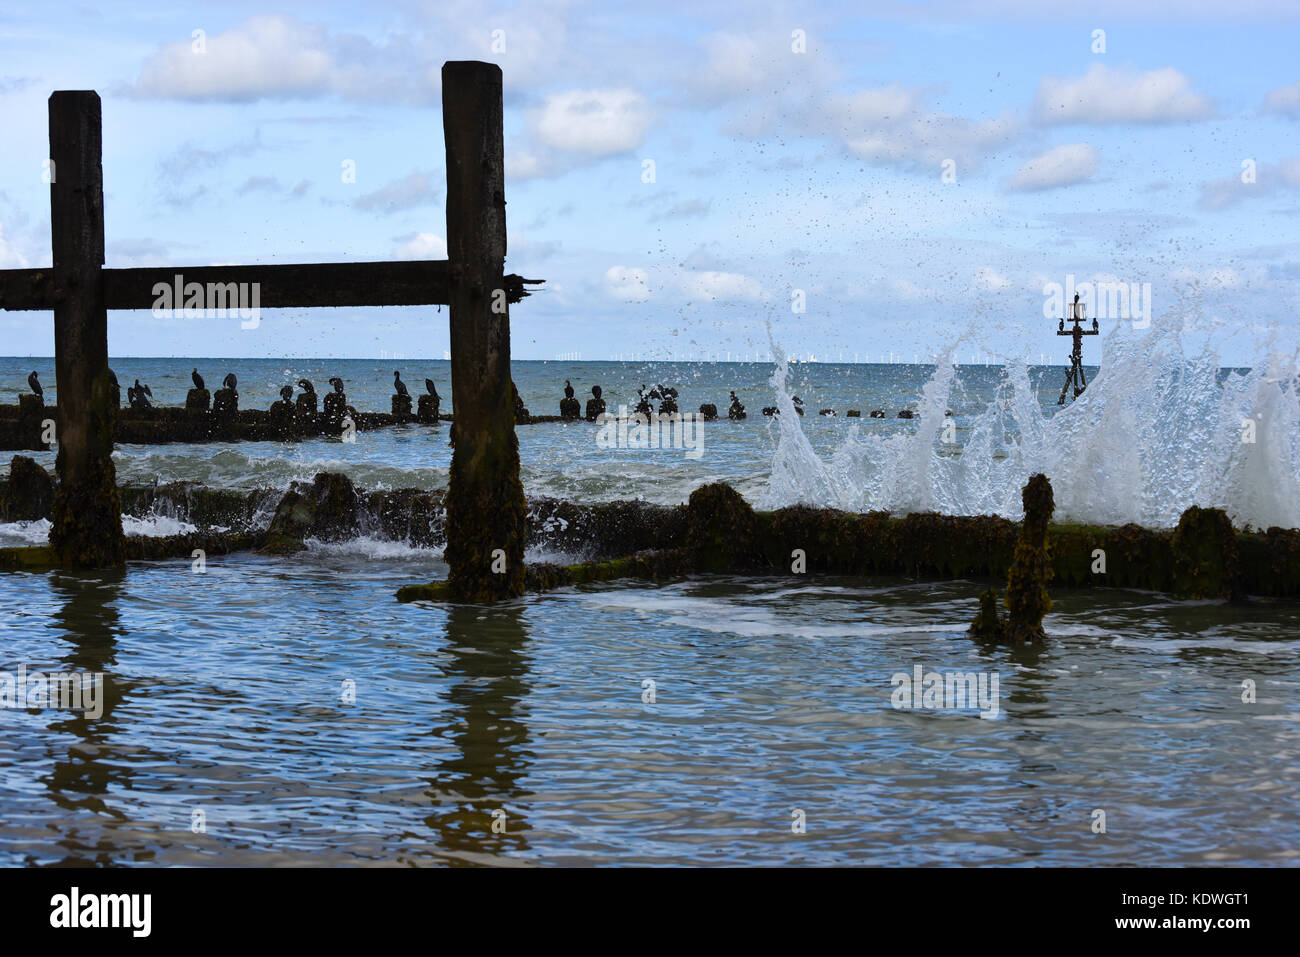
31 414
27 494
427 409
1031 568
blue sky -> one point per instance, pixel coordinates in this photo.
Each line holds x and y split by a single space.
775 169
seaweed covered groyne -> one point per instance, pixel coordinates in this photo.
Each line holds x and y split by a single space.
717 531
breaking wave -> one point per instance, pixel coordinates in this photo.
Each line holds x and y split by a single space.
1158 429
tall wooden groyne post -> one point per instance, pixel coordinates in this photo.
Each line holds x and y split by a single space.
485 499
87 516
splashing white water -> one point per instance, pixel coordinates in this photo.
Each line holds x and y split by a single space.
1158 430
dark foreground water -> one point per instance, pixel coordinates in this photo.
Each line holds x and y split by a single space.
225 696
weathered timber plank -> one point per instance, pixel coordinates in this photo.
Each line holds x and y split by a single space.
406 283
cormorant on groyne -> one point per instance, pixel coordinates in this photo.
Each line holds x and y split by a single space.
398 385
286 392
135 396
229 381
337 383
736 410
569 407
306 386
35 384
429 387
198 379
595 405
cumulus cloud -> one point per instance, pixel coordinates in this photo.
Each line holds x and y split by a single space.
627 283
1105 95
421 246
270 56
573 128
722 286
895 126
281 58
990 280
1061 166
740 65
769 89
592 123
1284 100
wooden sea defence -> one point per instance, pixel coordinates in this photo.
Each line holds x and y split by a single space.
486 498
715 532
162 425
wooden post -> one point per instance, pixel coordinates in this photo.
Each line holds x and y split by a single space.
87 515
485 499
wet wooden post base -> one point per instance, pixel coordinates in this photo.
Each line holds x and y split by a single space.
87 516
485 499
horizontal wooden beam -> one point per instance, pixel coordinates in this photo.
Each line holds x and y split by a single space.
406 283
27 289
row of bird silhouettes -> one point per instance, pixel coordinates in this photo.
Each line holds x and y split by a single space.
400 387
138 395
228 382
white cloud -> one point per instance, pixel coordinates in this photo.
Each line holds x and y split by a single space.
1284 100
892 125
526 164
990 280
1105 95
268 56
726 286
735 64
1060 166
423 246
593 123
627 283
758 66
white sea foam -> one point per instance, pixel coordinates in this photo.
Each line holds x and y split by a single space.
156 526
25 533
1159 429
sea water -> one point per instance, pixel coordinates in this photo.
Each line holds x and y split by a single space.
288 710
